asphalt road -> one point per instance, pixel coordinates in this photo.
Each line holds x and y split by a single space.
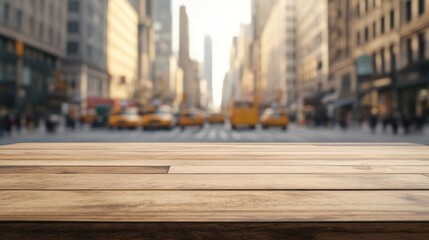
220 134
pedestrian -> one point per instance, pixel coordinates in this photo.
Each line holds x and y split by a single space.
373 121
7 124
420 121
395 122
386 122
406 123
29 120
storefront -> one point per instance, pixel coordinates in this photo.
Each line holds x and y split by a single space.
29 80
413 88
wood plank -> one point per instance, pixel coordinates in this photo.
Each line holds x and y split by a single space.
211 156
218 206
215 231
198 162
187 145
314 169
214 182
83 170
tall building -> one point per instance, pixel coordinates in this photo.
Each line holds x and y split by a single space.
341 102
312 63
85 65
376 39
146 54
261 10
184 58
161 14
208 69
412 80
122 49
391 39
278 56
240 76
32 38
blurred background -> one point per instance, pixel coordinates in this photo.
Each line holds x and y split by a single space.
214 70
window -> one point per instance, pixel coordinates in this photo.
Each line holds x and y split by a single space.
374 30
408 11
51 35
410 50
382 25
422 45
374 62
366 34
421 7
72 27
6 12
72 48
41 31
392 58
18 19
366 6
392 19
73 6
32 25
358 10
346 84
358 38
383 61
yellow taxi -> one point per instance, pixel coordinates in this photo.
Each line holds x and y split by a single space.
128 118
191 117
244 114
216 118
160 118
274 118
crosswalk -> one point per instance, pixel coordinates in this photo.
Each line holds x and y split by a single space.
221 134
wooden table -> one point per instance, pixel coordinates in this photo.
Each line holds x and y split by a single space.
214 191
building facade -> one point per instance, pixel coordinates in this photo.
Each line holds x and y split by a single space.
85 64
161 14
312 63
341 103
208 69
261 11
278 56
146 54
184 58
32 38
122 49
412 81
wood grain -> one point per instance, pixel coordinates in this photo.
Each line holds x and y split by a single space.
214 182
83 170
217 206
314 169
214 191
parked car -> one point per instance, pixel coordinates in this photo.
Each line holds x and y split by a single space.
160 118
128 118
274 118
216 118
191 117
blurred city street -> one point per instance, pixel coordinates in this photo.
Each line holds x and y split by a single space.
221 134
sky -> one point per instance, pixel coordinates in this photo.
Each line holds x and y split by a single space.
219 19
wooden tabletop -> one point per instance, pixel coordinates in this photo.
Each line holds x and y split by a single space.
154 182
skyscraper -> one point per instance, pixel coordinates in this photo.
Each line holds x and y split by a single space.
85 63
312 57
278 56
208 68
184 60
32 37
122 48
161 14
